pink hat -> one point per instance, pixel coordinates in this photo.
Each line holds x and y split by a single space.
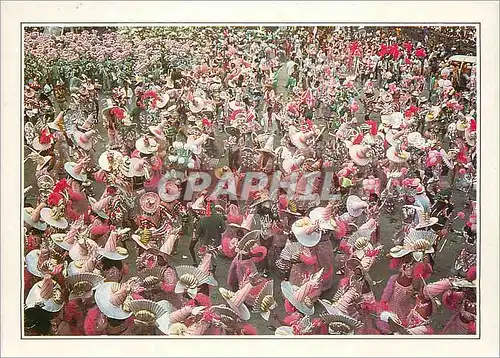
111 250
300 297
83 140
76 169
100 207
359 154
324 216
355 205
157 131
181 314
236 300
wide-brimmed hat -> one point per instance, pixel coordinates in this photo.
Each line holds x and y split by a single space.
306 231
55 216
112 300
83 247
425 219
109 159
146 145
433 114
196 105
249 241
418 243
82 285
168 190
108 106
149 202
300 297
65 240
355 206
40 161
235 300
416 140
76 170
360 242
260 198
150 313
200 203
111 250
264 302
396 155
40 262
268 147
32 217
324 216
157 130
138 167
46 293
394 136
143 238
189 279
341 324
85 264
163 99
360 154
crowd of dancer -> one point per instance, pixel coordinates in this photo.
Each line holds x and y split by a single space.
281 150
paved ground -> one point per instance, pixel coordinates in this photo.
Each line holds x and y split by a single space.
389 225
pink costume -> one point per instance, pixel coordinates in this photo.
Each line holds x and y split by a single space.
399 300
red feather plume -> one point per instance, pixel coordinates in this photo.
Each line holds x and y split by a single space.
422 270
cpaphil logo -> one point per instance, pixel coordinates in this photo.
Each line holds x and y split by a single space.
241 186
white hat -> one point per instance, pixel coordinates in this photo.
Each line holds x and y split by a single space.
196 105
75 170
306 232
396 155
111 251
146 145
110 297
48 293
108 159
32 217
